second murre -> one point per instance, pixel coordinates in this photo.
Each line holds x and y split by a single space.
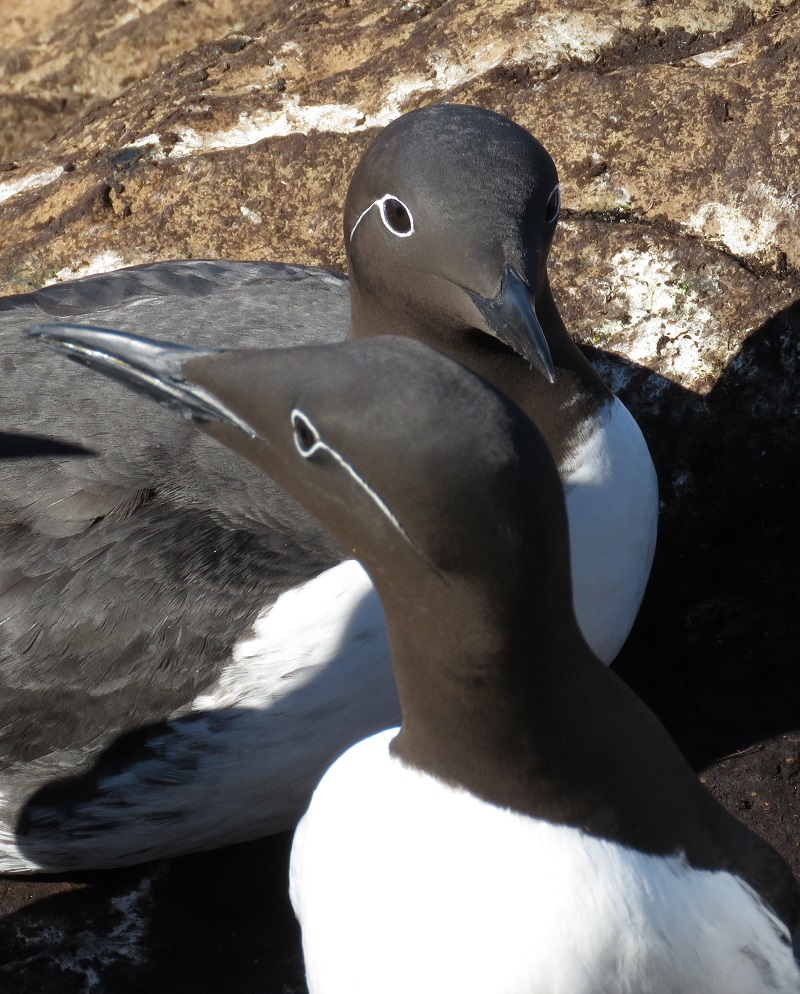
530 828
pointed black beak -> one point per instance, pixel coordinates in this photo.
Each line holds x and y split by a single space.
512 319
145 365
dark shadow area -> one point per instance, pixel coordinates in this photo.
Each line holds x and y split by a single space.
19 446
715 651
207 924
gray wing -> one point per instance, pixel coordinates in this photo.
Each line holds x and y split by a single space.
109 445
134 551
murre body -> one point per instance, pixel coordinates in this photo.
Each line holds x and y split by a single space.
530 828
179 637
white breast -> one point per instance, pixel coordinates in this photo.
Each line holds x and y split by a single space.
612 505
404 884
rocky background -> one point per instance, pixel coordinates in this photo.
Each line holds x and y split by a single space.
134 130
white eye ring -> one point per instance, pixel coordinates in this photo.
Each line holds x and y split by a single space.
308 440
380 203
553 208
404 215
306 436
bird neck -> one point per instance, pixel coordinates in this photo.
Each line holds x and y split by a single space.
558 409
479 662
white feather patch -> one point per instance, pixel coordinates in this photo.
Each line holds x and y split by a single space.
402 883
612 505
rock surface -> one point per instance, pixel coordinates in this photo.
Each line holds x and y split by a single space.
133 130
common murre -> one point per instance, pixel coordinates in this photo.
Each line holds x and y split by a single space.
163 618
530 828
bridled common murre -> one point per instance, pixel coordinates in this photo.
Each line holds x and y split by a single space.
184 650
530 828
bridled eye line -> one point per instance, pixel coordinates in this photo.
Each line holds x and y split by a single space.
553 208
308 441
395 215
306 436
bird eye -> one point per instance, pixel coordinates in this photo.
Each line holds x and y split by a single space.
397 217
553 207
306 435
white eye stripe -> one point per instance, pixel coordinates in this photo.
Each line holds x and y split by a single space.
306 436
301 423
361 217
380 203
555 210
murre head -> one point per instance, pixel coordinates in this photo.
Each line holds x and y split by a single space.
447 223
405 455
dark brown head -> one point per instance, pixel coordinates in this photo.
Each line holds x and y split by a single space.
425 471
447 225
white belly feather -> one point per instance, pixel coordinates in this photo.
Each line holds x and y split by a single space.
612 505
404 884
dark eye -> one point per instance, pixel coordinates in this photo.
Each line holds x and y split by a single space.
305 434
396 216
553 207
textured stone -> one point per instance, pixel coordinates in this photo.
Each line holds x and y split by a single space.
636 103
70 57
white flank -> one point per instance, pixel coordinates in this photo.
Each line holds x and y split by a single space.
402 883
612 506
296 638
12 860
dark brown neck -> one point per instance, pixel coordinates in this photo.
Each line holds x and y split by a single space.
558 410
476 697
501 697
517 711
478 659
